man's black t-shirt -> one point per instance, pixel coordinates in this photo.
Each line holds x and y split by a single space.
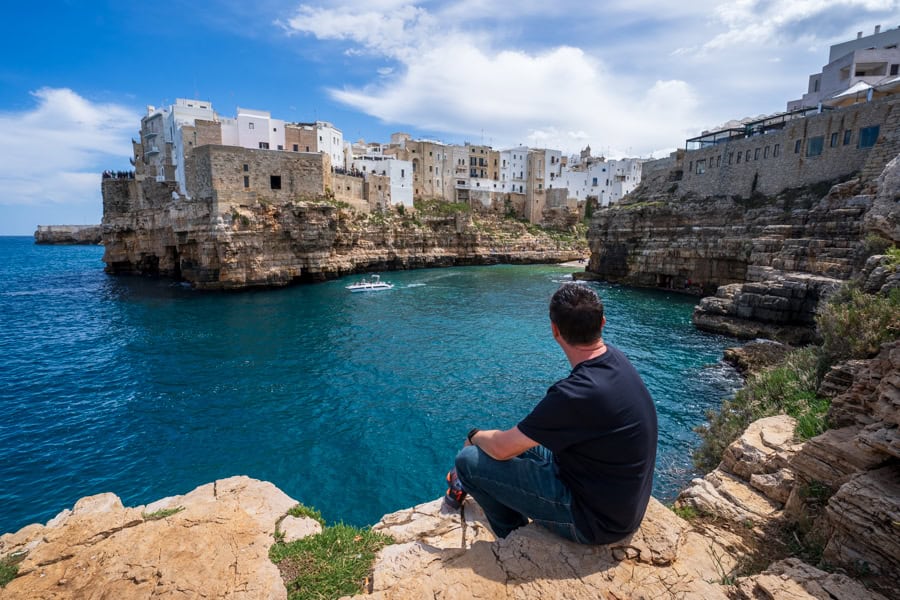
600 424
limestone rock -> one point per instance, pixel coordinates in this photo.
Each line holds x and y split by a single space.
792 579
782 306
213 542
833 457
68 234
766 446
776 486
863 520
755 356
435 559
728 497
235 240
297 528
874 395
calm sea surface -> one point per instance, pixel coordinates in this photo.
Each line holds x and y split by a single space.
352 403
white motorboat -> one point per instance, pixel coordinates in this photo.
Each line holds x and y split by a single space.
370 284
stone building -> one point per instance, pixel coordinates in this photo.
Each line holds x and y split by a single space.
790 150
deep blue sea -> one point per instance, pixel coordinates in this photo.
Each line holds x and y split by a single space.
352 403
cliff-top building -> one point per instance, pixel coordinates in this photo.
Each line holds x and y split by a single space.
856 66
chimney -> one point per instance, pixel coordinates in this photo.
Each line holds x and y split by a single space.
858 34
877 29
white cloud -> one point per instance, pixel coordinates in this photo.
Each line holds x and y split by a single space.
632 76
55 152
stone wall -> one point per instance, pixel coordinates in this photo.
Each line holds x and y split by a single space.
235 176
770 163
351 190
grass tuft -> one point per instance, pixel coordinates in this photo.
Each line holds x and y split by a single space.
330 564
306 511
162 514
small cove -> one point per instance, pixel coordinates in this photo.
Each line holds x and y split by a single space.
353 403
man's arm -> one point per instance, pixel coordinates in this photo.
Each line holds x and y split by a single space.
503 445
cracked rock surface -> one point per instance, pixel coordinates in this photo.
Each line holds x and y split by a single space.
215 546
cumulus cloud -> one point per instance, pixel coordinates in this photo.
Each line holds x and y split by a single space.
55 152
632 76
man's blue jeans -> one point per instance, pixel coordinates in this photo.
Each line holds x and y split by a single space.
515 490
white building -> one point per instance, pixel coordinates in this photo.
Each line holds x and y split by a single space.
606 180
255 129
330 140
871 59
514 169
399 171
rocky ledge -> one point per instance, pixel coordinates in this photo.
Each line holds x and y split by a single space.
68 235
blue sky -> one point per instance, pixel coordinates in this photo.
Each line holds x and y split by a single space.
633 77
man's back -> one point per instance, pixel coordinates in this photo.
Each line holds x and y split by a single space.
600 423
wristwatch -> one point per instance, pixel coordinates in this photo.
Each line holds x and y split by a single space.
471 433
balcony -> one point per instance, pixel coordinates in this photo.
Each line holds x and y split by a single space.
152 150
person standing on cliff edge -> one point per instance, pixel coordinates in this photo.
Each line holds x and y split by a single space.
581 463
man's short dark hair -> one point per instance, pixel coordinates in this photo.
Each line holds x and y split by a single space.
577 311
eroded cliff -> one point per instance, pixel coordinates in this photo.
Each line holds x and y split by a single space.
217 245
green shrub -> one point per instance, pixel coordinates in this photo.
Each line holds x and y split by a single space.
854 324
9 568
875 244
330 564
787 389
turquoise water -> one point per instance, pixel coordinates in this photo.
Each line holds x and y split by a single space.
353 403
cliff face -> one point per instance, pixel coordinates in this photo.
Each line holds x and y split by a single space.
217 245
67 234
767 259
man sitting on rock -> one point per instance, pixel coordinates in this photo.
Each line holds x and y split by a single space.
581 464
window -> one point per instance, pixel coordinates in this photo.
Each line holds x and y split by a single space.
747 156
250 125
296 147
738 161
718 161
868 136
776 150
701 166
814 145
594 184
766 152
895 69
274 129
848 135
834 140
275 182
307 148
797 146
264 145
402 172
730 157
756 154
280 147
246 167
246 181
